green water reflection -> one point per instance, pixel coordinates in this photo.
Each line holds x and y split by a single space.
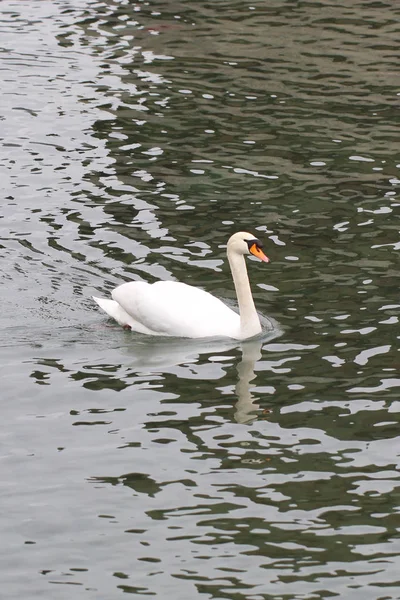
136 138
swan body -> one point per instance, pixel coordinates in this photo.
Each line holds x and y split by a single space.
169 308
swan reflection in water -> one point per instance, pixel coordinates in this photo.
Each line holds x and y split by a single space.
164 355
246 404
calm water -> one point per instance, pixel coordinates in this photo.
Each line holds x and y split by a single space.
135 138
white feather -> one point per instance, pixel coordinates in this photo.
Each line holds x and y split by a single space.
176 309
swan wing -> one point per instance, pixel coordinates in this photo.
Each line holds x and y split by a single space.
115 311
176 309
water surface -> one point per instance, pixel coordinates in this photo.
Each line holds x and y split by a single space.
135 138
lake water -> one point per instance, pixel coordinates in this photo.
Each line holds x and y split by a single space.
135 138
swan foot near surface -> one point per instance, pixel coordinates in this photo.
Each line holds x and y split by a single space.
169 308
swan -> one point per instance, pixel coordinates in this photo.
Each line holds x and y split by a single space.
170 308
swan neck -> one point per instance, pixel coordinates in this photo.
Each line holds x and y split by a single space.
249 320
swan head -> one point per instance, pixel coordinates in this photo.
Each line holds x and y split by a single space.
244 242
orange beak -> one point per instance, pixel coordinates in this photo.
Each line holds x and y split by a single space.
256 251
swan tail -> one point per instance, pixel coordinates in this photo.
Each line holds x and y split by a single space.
114 310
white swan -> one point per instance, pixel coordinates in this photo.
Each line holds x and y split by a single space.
170 308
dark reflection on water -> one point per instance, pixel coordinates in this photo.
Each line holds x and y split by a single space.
135 138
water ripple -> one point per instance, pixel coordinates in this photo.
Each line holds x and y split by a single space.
135 139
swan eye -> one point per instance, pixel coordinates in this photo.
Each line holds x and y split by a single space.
250 243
